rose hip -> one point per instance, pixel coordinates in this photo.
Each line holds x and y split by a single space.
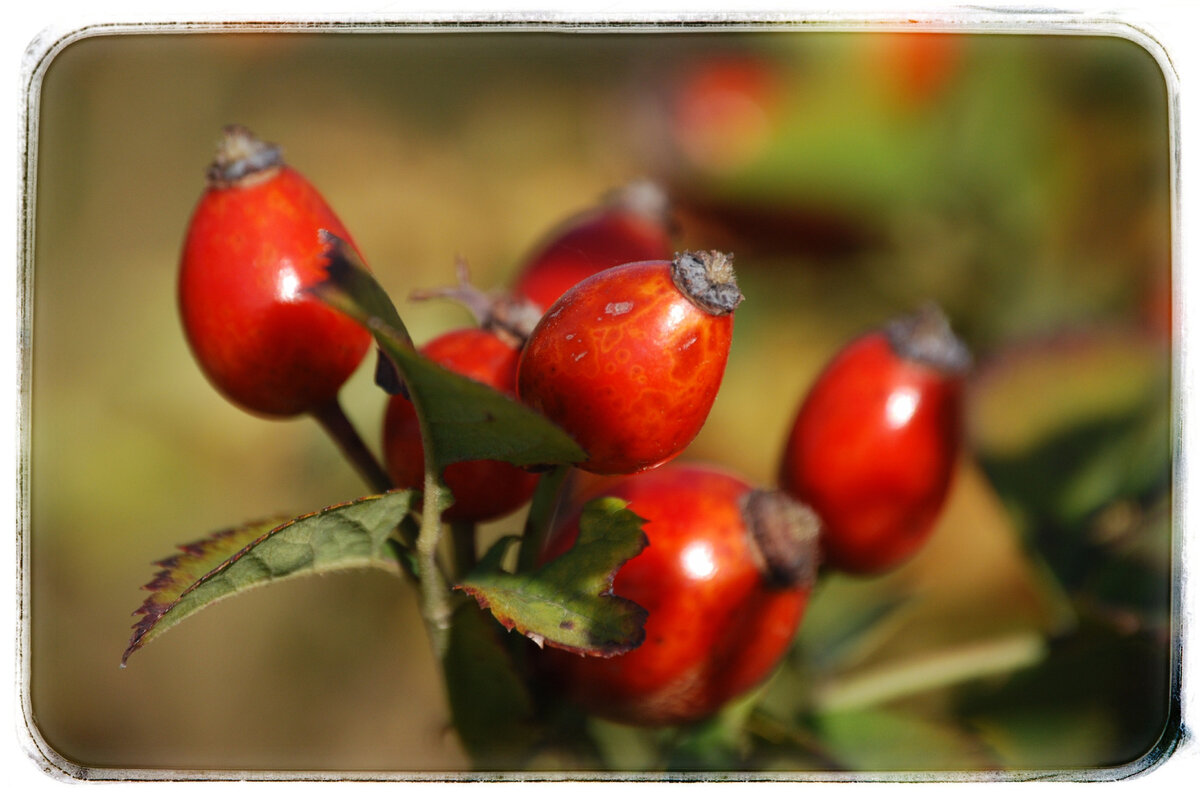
629 361
252 247
874 445
725 581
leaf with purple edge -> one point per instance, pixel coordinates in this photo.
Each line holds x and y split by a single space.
350 535
569 602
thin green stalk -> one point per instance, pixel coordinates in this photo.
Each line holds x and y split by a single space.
435 597
541 516
463 535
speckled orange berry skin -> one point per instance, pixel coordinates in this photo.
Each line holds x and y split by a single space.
714 629
250 250
592 242
482 489
873 450
627 365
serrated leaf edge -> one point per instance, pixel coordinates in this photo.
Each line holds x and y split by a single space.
153 613
636 611
639 614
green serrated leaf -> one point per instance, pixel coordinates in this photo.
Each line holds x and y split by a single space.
350 535
568 603
491 707
465 419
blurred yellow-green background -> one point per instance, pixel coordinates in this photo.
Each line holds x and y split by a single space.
1021 182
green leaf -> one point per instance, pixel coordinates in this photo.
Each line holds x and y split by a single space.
350 535
568 603
353 290
464 419
492 708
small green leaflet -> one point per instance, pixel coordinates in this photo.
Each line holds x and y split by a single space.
350 535
568 603
466 420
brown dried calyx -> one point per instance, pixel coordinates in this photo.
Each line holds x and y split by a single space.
784 534
502 314
241 157
926 337
707 278
644 198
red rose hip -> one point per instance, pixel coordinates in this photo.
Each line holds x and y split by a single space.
629 360
874 445
482 489
631 225
252 247
725 581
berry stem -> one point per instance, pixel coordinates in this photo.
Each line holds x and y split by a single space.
541 516
333 420
463 535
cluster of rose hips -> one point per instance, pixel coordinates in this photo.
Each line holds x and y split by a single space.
625 351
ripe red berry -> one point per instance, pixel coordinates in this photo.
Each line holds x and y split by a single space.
725 581
631 225
482 489
629 361
252 247
875 442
